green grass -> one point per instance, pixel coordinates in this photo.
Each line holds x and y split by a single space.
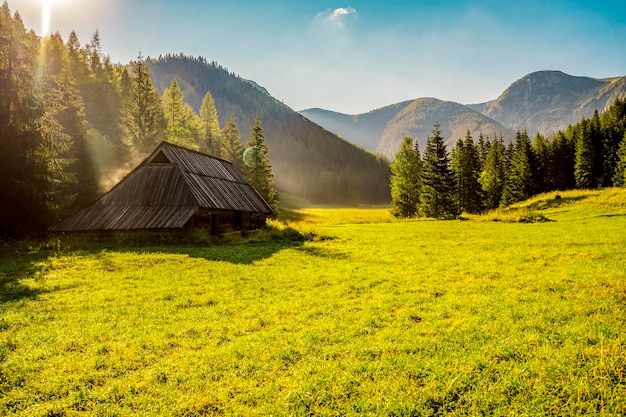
357 314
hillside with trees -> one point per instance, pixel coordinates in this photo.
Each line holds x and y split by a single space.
487 174
308 160
72 124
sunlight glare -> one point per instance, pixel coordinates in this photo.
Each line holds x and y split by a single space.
46 14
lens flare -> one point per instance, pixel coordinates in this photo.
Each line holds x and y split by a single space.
251 157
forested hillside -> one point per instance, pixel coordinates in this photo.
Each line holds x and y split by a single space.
308 161
72 124
486 174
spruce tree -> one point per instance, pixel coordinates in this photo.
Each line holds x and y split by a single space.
258 169
28 137
519 182
183 125
232 148
437 197
560 169
585 156
492 177
211 133
541 151
619 177
466 169
406 170
143 119
77 182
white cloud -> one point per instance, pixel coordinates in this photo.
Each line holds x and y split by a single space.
336 17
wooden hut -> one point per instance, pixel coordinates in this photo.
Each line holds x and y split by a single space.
174 189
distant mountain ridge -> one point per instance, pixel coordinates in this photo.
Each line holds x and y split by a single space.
548 101
382 130
543 101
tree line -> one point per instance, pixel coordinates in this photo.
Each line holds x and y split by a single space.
70 118
486 174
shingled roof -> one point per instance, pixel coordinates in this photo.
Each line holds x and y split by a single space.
165 191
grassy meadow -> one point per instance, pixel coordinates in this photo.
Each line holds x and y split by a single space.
332 312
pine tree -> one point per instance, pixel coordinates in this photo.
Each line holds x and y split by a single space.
77 183
437 196
560 169
613 124
519 182
183 125
541 152
406 170
27 136
482 148
143 119
232 148
211 133
258 169
619 177
492 177
585 156
466 169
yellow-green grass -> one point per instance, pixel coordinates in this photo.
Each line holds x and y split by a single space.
369 316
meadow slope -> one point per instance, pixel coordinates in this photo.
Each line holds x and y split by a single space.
368 315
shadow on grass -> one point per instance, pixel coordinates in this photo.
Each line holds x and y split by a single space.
322 252
233 248
15 266
556 202
245 253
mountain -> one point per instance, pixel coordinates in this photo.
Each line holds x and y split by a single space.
308 160
548 101
382 130
544 102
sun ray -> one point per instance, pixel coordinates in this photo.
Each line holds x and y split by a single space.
46 14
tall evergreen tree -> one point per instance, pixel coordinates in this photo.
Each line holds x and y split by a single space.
619 177
183 125
77 180
143 119
406 170
541 152
613 124
258 169
232 148
437 196
493 176
560 169
27 136
482 147
211 133
519 183
466 169
584 171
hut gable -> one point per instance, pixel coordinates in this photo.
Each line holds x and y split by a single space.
167 190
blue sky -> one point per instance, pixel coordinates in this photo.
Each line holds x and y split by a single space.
354 56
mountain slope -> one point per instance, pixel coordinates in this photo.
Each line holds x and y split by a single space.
544 101
418 118
547 101
364 129
382 130
308 160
